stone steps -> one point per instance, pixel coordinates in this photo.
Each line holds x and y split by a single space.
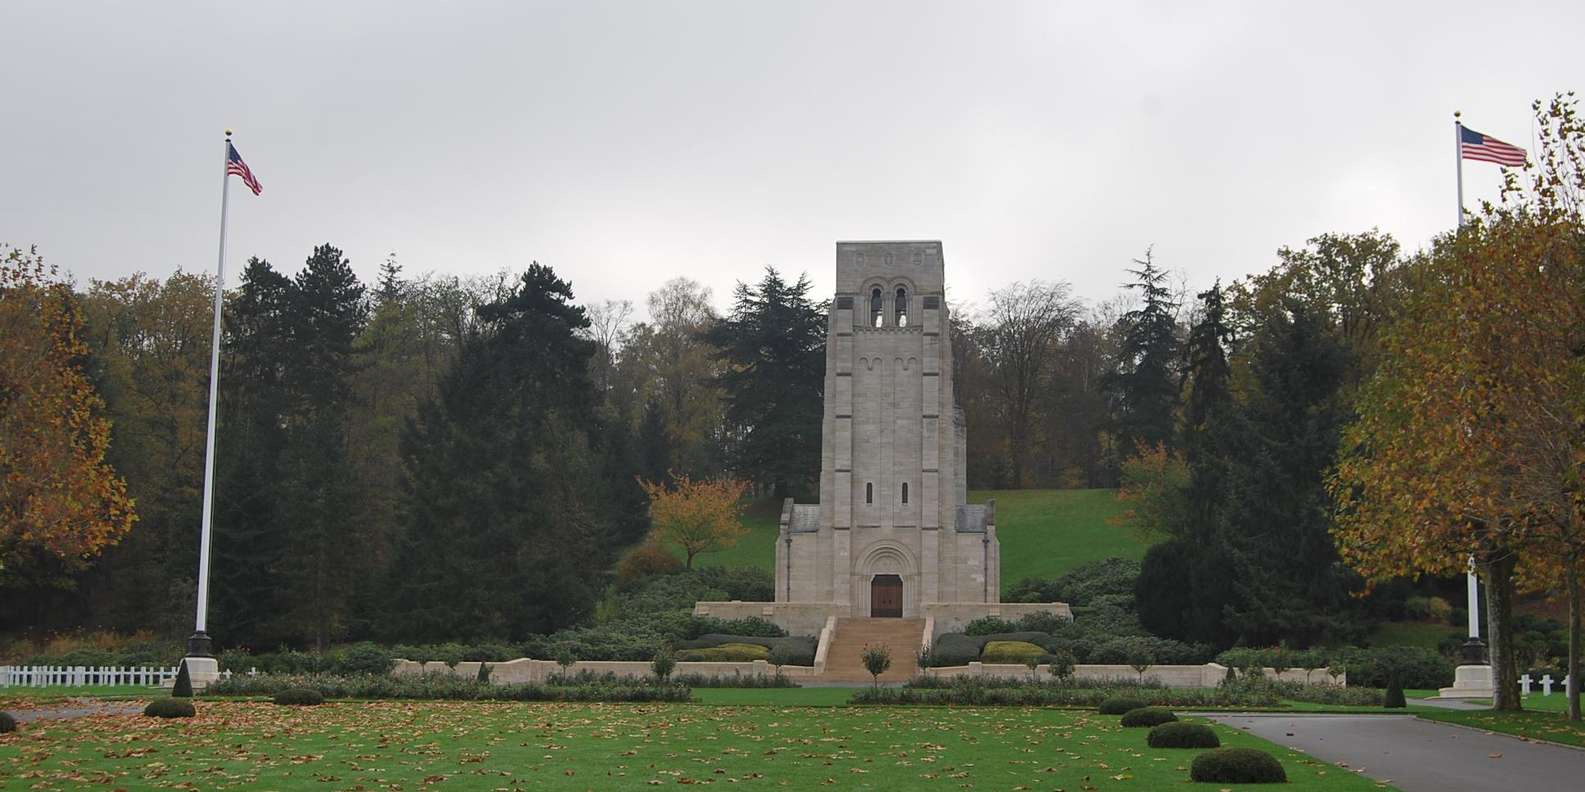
845 657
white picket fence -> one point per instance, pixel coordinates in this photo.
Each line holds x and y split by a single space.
79 676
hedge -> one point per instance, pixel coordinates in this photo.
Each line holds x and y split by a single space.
1147 716
799 650
170 708
1033 695
1010 652
1237 766
449 686
725 653
1119 706
1183 735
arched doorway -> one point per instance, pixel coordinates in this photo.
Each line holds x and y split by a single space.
886 596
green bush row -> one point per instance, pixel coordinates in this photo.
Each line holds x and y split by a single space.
970 694
448 687
1415 667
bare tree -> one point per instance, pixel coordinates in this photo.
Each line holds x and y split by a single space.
608 323
1022 328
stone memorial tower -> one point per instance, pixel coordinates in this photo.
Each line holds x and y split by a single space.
892 533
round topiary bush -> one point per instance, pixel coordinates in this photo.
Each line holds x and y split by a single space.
299 697
1015 652
1183 735
170 708
1118 706
7 723
1148 716
1237 766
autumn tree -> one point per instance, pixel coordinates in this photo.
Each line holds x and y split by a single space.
61 504
1470 437
698 516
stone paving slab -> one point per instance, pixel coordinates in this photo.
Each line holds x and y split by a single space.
1418 755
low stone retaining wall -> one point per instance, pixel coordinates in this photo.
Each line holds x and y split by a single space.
1175 676
526 670
807 618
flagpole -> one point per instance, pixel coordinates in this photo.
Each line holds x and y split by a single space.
199 644
1474 651
1458 161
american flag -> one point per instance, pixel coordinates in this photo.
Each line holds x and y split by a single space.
234 164
1475 146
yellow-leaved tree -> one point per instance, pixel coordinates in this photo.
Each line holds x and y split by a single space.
1471 433
697 516
59 500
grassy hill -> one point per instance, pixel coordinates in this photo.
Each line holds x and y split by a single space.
1044 533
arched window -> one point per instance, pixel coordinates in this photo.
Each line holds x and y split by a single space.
905 492
902 307
875 307
869 493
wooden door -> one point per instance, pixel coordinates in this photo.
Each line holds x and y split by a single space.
886 596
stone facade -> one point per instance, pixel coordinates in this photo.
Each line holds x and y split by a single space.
892 476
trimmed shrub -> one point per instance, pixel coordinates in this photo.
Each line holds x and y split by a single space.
1237 766
663 664
988 625
1394 698
299 697
876 660
1010 652
726 653
7 723
183 688
170 708
1041 621
1119 706
955 649
800 650
364 658
1183 735
1147 716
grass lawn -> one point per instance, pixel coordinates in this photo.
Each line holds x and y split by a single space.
32 695
1044 533
1533 723
508 745
776 697
1426 635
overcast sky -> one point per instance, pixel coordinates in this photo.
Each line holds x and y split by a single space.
627 143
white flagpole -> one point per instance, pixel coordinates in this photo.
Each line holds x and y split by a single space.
199 645
1458 161
1473 648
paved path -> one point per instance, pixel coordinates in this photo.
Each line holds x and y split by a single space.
1421 756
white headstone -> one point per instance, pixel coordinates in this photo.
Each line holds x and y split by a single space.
1546 684
1524 684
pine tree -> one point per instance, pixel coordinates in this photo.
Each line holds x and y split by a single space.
775 344
506 498
1145 382
321 492
249 526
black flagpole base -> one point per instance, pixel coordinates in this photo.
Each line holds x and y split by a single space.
199 645
1473 652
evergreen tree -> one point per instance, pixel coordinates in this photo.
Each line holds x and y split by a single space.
654 443
1145 382
506 501
774 342
249 535
1276 516
321 489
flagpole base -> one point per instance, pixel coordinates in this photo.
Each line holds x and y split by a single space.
1473 652
199 645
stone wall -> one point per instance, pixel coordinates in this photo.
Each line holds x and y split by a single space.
524 670
951 617
797 618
